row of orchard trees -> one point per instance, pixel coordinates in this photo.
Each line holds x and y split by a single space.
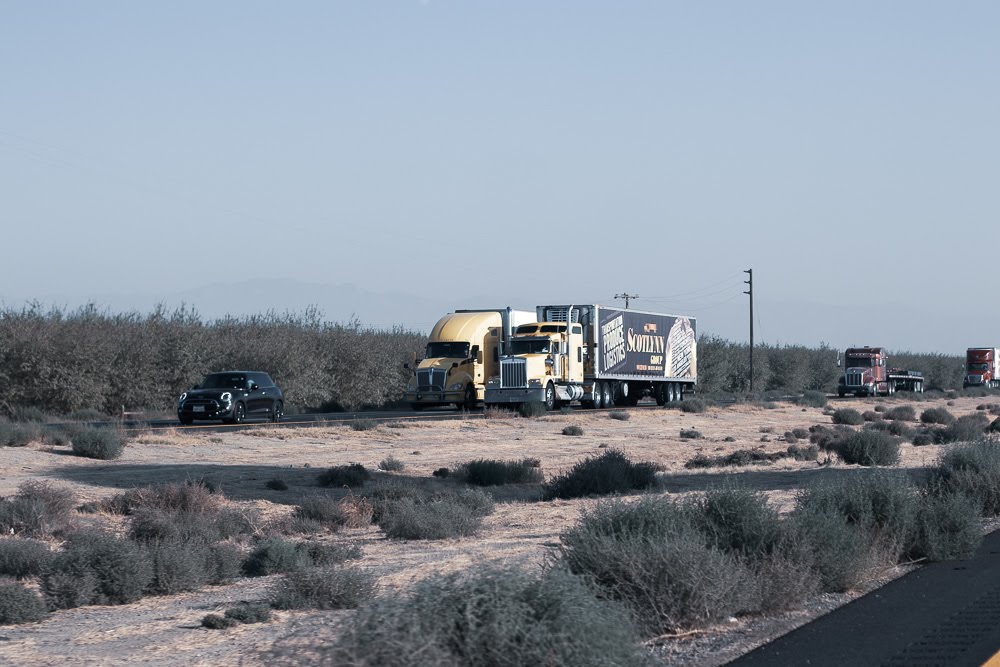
64 361
723 366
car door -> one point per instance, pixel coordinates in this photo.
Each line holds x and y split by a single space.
259 399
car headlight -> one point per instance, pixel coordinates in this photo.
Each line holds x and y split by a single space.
226 396
182 397
455 387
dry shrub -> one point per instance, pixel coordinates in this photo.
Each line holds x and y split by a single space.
38 508
356 511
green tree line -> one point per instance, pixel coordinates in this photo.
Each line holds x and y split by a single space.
62 361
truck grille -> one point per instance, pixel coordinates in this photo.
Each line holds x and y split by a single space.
513 373
855 379
431 379
974 379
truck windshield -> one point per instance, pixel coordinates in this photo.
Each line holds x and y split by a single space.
530 346
979 367
859 362
455 350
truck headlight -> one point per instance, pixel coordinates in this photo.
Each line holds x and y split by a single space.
455 387
493 381
409 386
534 382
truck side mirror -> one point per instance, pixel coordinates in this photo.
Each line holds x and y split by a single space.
474 353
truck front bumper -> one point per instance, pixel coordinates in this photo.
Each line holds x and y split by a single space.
435 397
514 395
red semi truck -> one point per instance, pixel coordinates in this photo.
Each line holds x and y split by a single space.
867 373
981 367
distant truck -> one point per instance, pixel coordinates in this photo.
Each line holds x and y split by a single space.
462 352
867 373
597 355
981 367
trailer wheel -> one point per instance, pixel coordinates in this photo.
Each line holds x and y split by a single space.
662 395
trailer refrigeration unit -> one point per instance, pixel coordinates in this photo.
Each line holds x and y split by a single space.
981 367
867 373
597 355
463 350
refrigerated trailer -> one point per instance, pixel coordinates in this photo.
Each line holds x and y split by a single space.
597 355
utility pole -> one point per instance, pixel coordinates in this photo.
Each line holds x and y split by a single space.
627 297
749 292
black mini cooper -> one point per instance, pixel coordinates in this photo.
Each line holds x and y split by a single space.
232 396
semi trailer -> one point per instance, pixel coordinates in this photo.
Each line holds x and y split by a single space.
597 355
867 373
462 352
981 367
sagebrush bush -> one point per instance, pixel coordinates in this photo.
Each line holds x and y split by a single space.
936 416
225 563
572 429
323 509
840 554
273 555
23 557
871 416
391 464
869 448
611 472
14 434
19 604
179 566
946 527
503 617
971 469
364 424
531 409
494 472
98 443
191 496
432 518
96 568
38 508
351 475
693 405
690 434
218 622
323 588
904 413
847 417
964 429
620 415
812 398
900 429
275 484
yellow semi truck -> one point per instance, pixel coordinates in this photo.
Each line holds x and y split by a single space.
598 355
463 351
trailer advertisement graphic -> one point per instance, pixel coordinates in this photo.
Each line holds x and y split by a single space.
634 343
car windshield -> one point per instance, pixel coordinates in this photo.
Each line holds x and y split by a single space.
530 346
979 367
455 350
859 362
224 381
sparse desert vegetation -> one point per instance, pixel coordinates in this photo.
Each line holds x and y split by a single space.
247 533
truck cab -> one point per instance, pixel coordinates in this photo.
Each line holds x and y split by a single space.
981 368
545 364
867 373
461 353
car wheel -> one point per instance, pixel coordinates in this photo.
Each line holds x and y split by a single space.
470 401
277 411
550 397
239 413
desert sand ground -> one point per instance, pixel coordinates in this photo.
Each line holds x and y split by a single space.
166 630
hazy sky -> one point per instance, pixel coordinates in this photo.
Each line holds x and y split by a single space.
525 152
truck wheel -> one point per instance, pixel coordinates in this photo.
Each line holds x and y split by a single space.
662 394
675 392
550 397
606 399
470 401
